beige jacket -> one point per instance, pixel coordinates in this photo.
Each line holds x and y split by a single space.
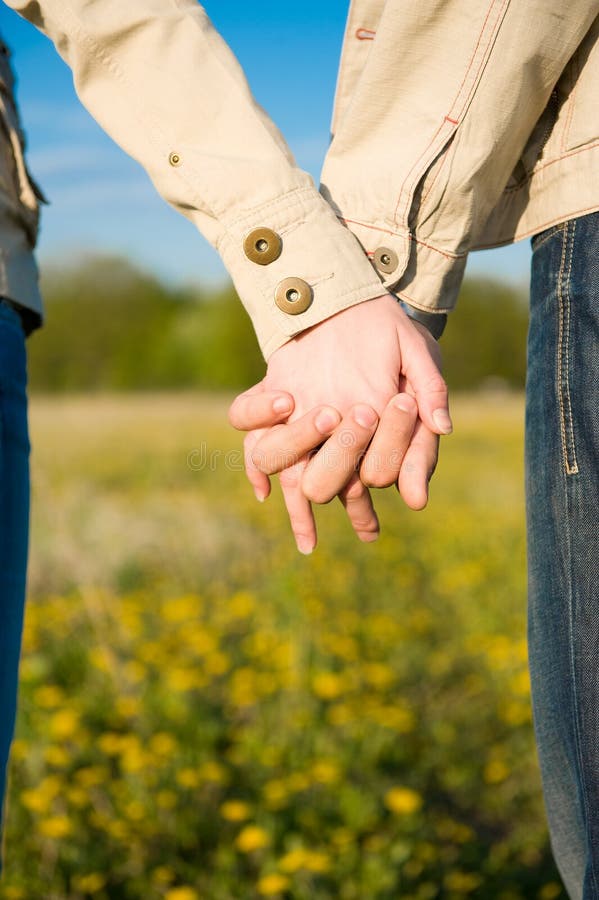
457 124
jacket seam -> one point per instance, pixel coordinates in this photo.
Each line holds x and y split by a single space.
550 162
415 174
520 236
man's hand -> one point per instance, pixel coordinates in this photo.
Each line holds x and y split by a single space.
371 365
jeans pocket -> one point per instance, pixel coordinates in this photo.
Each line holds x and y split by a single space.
537 240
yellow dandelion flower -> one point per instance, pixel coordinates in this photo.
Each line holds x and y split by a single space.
520 683
293 860
182 893
298 781
272 884
128 706
316 861
163 744
275 793
135 811
462 882
56 827
550 891
91 775
327 685
403 800
163 875
251 838
89 884
496 770
216 663
56 756
181 680
188 777
110 743
241 605
48 696
77 797
181 609
212 771
325 771
64 724
235 810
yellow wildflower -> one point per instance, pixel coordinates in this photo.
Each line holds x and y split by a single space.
48 696
182 893
462 882
235 810
163 744
272 884
64 724
163 875
327 685
89 884
56 827
188 777
495 771
252 837
403 800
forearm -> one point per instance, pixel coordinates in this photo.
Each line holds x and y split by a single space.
161 81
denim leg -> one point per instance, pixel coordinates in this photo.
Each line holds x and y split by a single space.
14 520
562 487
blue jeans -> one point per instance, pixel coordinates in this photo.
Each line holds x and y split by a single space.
14 519
562 484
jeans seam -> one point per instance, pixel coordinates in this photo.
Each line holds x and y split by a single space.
563 351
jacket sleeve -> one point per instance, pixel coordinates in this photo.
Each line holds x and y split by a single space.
448 95
164 85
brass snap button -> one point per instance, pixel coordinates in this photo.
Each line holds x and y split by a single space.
174 159
293 296
262 246
386 259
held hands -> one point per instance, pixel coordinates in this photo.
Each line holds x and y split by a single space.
354 402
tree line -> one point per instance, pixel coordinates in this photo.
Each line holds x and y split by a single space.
111 326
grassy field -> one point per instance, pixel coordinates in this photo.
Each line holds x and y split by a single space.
205 713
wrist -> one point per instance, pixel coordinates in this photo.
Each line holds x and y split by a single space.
434 322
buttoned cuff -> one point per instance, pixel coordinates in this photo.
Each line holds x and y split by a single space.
432 279
294 264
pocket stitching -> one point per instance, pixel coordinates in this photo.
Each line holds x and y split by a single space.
563 351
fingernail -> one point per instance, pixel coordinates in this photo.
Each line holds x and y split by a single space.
326 420
442 421
406 404
281 405
365 416
260 495
367 537
304 545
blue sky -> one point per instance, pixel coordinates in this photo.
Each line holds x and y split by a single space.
103 201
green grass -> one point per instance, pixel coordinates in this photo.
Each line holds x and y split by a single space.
207 714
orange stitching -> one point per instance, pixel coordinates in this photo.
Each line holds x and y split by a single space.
444 253
521 235
467 72
365 34
372 227
471 60
550 162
